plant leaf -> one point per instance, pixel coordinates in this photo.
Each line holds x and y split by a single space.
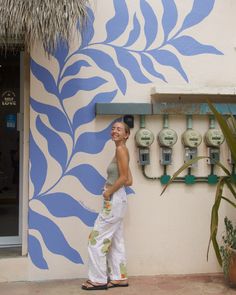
228 134
167 58
87 114
200 10
181 169
75 68
106 63
87 31
99 139
55 116
53 236
150 23
63 205
44 76
128 61
215 220
38 170
118 24
73 86
169 18
229 201
56 146
61 52
36 253
84 173
134 34
188 46
149 67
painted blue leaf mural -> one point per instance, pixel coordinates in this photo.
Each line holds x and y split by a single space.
56 117
106 63
128 61
61 52
187 45
87 31
52 236
151 24
200 10
75 68
36 253
129 190
167 58
84 173
87 114
169 18
56 146
63 205
99 139
71 87
148 65
118 24
38 169
134 34
44 76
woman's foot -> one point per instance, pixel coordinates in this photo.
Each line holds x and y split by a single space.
89 285
117 283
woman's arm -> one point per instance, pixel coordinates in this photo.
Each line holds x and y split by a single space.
129 181
122 158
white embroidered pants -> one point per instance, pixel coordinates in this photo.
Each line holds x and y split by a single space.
106 243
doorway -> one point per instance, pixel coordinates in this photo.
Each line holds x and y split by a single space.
10 93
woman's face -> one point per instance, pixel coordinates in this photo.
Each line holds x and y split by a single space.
118 132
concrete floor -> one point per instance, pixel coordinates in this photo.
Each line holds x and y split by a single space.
151 285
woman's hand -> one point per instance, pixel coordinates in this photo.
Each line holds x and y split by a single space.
106 195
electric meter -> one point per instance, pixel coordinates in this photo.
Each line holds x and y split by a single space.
214 137
167 137
144 137
191 138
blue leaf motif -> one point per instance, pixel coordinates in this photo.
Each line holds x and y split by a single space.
63 205
36 253
53 236
169 18
148 65
84 173
134 34
75 68
117 25
87 31
129 190
167 58
55 116
71 87
38 170
187 45
200 10
87 114
44 76
61 52
106 63
56 146
151 24
128 61
99 139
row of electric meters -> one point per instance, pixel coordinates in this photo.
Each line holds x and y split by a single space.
191 139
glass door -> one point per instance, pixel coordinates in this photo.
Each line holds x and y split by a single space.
9 148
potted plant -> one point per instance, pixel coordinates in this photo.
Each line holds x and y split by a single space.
228 127
228 252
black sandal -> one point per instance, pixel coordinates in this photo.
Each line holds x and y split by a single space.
115 285
93 286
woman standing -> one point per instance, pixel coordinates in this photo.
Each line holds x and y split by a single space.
107 262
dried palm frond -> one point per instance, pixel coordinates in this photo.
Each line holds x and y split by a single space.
45 21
